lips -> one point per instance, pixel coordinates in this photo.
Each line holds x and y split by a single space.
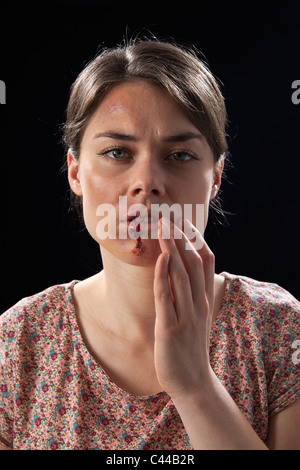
139 219
130 218
142 226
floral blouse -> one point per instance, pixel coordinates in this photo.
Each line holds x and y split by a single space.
55 395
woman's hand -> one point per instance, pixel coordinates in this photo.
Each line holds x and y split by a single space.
184 301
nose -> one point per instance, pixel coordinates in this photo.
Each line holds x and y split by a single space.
147 179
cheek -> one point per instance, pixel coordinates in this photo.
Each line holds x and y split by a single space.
198 194
96 190
198 189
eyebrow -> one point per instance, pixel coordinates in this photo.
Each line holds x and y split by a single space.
183 137
115 135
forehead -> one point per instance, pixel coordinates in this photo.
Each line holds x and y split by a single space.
140 105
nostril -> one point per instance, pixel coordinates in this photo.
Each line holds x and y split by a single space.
153 191
138 190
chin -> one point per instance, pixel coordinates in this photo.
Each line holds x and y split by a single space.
140 252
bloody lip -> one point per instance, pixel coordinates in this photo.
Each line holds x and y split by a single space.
139 219
136 226
139 248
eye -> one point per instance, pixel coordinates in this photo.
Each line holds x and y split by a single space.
182 156
114 153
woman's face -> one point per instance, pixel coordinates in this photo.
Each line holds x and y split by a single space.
140 144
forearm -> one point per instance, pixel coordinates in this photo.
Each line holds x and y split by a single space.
214 422
4 447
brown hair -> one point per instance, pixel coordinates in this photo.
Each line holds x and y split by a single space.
176 69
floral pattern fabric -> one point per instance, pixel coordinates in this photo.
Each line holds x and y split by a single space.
55 395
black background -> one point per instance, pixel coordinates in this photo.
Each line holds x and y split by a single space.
253 48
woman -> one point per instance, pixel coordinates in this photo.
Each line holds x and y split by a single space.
155 351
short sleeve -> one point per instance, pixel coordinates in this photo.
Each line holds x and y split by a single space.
6 384
282 342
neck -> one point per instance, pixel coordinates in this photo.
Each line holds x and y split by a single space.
127 294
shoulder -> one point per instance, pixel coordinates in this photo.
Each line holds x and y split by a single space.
260 295
270 311
265 306
35 312
269 316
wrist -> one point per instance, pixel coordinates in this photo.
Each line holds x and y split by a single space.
199 394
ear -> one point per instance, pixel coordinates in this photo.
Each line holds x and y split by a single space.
73 173
217 177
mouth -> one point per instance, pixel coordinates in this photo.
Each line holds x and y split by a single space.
139 219
139 226
149 218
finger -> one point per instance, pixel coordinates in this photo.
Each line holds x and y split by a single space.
179 278
194 266
164 307
198 263
208 259
200 267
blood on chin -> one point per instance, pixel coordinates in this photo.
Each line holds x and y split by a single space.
143 252
139 248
